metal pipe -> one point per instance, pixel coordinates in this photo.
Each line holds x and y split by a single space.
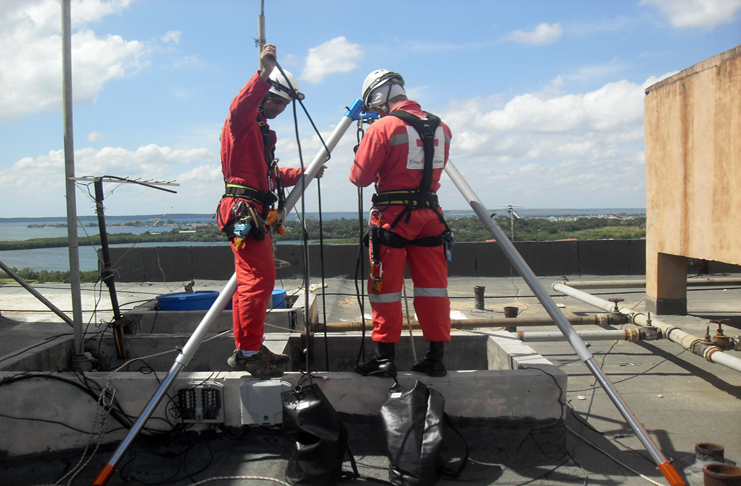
638 283
550 306
221 301
260 33
105 249
627 334
692 343
601 320
69 174
36 294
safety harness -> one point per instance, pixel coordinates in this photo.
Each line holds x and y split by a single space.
246 219
419 198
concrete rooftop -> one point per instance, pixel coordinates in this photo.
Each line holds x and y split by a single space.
680 398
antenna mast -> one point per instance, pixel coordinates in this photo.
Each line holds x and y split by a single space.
512 216
260 32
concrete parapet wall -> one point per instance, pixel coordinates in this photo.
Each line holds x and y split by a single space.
588 257
528 389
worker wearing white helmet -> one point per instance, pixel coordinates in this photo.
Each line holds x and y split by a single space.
404 154
253 184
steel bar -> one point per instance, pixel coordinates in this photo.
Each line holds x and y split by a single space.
552 309
640 283
601 320
107 274
69 174
692 343
225 295
36 294
628 334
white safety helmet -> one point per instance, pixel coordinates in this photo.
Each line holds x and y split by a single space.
285 88
377 79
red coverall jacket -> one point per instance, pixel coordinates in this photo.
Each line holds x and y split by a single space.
243 162
391 154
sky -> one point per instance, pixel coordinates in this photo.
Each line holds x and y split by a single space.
544 98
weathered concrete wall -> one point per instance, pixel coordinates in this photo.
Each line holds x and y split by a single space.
693 171
519 387
593 257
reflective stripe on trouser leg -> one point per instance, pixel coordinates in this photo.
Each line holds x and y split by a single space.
429 271
387 318
255 270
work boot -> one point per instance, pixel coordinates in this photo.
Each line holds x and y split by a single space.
432 364
275 359
258 365
381 365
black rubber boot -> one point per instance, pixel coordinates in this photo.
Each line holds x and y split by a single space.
432 364
381 365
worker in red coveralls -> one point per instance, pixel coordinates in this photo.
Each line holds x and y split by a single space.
252 181
404 154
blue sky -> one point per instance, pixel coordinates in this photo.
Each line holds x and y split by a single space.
544 98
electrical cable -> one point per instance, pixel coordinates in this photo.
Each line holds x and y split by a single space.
321 259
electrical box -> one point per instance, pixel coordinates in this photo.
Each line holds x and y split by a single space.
261 402
201 402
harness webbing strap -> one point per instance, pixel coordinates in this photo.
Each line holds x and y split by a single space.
394 240
250 193
407 197
426 129
266 141
271 162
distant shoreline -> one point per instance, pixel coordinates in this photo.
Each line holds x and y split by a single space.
209 217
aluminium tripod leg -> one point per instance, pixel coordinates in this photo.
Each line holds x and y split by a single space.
568 331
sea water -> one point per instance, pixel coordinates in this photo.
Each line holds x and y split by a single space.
57 259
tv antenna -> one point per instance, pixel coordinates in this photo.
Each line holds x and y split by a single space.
512 217
120 324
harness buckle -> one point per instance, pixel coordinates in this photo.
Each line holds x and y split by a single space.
376 269
376 274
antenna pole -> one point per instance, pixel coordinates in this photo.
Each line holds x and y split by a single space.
79 361
666 468
260 32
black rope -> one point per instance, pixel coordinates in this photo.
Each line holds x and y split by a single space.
321 259
360 268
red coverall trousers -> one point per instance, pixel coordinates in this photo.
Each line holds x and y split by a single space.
429 271
255 270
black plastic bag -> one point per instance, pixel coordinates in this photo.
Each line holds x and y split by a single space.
320 437
414 434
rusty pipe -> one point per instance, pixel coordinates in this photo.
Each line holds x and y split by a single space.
639 283
692 343
601 320
630 334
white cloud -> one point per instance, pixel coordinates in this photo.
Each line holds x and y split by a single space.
543 34
697 13
550 149
197 170
94 136
31 52
172 36
334 56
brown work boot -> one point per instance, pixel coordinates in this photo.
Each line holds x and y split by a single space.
275 359
258 365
